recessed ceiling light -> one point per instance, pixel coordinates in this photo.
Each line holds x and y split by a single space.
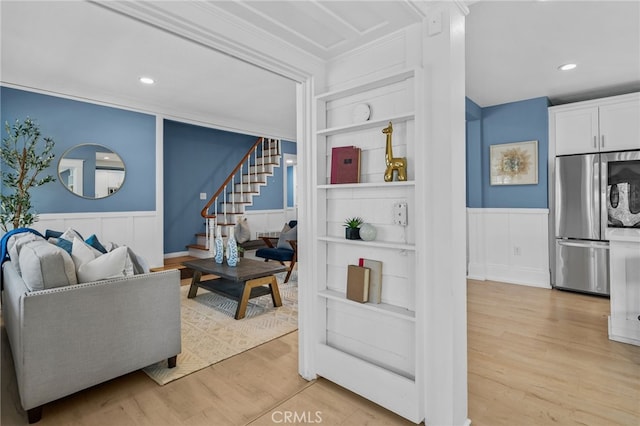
567 67
146 80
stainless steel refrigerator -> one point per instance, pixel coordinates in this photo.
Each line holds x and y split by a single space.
590 193
582 254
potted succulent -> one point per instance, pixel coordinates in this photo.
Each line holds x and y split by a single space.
352 228
24 157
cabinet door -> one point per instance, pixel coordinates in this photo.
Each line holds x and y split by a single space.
620 126
625 292
577 131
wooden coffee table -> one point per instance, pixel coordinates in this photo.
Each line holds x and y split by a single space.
248 279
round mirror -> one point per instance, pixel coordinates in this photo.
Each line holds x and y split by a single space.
91 171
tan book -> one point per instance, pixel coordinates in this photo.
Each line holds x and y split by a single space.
375 279
358 283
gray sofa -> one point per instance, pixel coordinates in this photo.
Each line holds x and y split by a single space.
69 338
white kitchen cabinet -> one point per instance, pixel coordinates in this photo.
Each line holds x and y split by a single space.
624 321
608 124
369 348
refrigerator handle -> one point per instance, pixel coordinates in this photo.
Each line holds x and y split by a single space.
584 244
595 141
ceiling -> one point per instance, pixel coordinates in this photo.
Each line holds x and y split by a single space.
97 52
513 50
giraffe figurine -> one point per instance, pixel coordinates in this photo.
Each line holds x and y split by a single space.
399 164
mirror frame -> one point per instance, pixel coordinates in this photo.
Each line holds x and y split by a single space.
71 160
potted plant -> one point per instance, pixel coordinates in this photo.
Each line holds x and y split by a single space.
352 228
24 157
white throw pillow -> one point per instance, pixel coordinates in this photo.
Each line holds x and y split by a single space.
70 234
242 231
82 253
109 265
45 265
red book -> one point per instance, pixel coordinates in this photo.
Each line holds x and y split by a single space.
345 164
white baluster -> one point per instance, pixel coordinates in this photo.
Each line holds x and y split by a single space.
233 193
255 167
210 236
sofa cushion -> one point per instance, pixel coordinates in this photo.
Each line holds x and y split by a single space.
108 265
15 244
45 265
282 254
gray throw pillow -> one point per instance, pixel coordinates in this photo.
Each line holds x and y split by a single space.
291 234
242 233
45 266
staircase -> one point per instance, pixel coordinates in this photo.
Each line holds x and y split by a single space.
229 201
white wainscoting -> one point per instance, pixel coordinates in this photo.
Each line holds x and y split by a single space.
268 220
142 231
508 245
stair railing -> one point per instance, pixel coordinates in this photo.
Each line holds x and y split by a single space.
212 218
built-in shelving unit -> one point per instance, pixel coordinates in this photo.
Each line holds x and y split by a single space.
378 341
366 125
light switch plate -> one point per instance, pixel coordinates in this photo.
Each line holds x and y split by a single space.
400 214
203 195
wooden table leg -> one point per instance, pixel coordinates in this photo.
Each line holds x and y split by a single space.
275 292
246 293
194 284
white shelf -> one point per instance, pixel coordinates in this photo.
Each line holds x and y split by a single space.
368 185
391 310
381 81
381 122
374 243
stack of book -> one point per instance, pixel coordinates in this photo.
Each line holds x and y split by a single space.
364 281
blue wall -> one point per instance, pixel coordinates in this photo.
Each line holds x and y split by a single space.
199 159
474 154
129 134
513 122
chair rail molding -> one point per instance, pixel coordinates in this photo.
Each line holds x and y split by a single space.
138 230
509 245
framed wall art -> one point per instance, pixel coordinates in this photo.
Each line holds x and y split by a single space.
514 163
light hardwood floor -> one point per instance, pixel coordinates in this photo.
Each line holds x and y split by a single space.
536 357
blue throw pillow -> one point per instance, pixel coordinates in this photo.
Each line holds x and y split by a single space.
93 242
49 233
65 244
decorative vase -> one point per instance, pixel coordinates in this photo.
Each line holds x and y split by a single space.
232 249
219 245
352 233
368 232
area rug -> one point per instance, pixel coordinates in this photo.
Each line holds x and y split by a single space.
210 334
